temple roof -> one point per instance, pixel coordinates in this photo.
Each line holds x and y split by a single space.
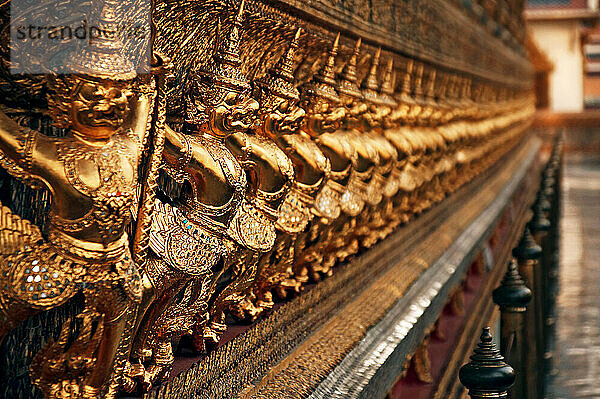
560 10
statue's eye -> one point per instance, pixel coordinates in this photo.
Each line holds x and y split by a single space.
232 99
116 94
283 106
91 92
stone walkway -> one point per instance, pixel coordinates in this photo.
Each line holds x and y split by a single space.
577 355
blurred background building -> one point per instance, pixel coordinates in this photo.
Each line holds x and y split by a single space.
565 47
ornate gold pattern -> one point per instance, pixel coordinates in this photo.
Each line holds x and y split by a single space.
284 149
422 362
92 173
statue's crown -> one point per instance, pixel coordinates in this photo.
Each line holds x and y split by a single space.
370 85
348 80
223 71
102 56
279 80
222 75
323 82
387 85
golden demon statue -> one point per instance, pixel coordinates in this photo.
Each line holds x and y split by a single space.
279 115
343 156
384 185
92 175
367 159
409 144
325 113
195 242
312 168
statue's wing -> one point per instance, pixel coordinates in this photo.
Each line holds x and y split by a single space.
32 271
163 221
16 233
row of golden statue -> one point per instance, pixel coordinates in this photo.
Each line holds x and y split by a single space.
169 231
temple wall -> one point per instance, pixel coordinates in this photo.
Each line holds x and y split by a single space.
303 199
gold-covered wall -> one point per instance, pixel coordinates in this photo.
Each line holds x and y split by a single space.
194 209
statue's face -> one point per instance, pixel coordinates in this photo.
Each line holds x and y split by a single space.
354 109
398 115
285 117
99 108
323 116
373 116
236 112
372 113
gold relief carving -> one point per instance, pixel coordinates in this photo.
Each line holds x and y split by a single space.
457 302
209 226
382 14
361 8
324 113
422 362
92 174
277 185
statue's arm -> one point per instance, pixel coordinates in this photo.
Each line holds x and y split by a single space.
18 152
177 154
241 148
16 142
176 146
